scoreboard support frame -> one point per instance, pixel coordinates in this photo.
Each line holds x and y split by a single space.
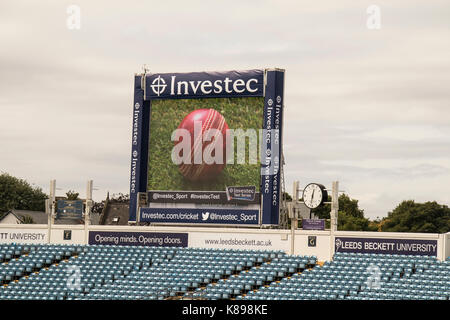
148 87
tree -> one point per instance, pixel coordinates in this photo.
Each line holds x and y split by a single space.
98 207
347 205
409 216
18 194
72 195
287 196
323 211
26 219
350 216
120 198
351 223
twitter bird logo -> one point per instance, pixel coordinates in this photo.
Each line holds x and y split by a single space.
205 216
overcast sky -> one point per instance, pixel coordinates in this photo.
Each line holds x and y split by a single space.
367 107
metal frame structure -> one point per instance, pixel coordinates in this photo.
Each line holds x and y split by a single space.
293 209
154 86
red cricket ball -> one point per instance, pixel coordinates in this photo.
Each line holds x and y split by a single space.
206 119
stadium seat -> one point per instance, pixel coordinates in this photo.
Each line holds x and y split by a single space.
113 272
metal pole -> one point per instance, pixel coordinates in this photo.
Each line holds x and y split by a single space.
87 214
51 213
334 214
48 211
295 194
334 205
293 223
139 204
294 219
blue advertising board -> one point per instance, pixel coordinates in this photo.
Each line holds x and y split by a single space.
267 163
267 83
241 193
271 151
200 216
139 146
313 224
277 150
69 209
152 239
248 83
386 246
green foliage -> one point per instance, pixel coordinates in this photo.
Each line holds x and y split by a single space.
350 216
120 198
98 207
350 207
26 219
72 195
18 194
409 216
347 205
349 222
323 212
287 196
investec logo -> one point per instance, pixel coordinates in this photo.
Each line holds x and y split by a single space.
159 86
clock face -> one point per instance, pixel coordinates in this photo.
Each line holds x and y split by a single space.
313 195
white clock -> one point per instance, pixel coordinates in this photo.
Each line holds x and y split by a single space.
314 195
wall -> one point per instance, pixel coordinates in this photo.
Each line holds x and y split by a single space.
10 219
77 234
249 239
397 236
32 233
220 238
447 245
303 246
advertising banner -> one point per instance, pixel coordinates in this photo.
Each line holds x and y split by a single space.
240 241
249 83
201 197
241 193
23 236
271 151
313 224
386 246
312 241
200 216
69 209
152 239
267 162
139 146
202 132
277 151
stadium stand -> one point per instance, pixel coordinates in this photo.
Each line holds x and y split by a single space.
79 272
353 276
256 277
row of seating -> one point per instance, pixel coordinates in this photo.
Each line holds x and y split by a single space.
364 277
48 272
256 277
186 270
92 265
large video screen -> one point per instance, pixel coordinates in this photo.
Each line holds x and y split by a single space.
205 144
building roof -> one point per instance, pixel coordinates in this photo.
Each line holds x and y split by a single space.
38 217
6 214
116 214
